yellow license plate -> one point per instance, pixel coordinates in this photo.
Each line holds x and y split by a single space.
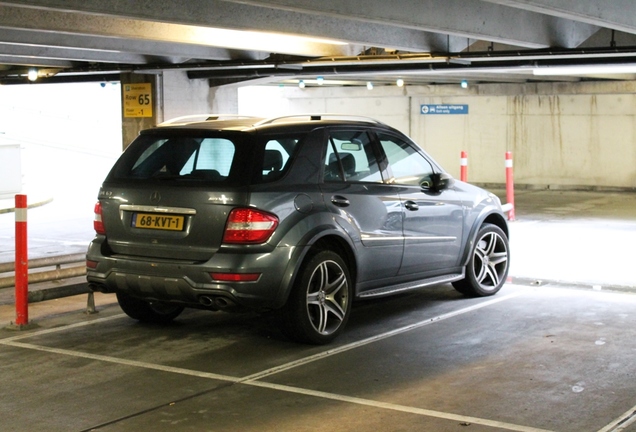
158 221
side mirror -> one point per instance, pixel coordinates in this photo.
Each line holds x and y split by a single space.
437 182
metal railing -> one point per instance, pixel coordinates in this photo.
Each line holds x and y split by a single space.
51 269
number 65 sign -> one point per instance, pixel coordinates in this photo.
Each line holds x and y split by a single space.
137 100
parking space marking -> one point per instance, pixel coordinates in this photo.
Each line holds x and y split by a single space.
628 418
390 333
116 360
252 380
394 407
28 335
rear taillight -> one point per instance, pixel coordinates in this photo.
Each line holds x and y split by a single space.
98 223
246 225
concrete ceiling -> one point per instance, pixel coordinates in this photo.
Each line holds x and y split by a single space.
348 42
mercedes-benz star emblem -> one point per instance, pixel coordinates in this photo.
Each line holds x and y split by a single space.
155 197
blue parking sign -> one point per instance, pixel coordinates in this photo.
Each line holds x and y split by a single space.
430 109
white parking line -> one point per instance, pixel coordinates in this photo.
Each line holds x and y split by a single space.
251 380
394 407
120 361
334 351
622 422
28 335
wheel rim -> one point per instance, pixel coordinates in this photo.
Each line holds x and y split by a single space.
490 261
327 297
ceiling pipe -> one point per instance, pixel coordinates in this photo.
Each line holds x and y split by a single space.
384 63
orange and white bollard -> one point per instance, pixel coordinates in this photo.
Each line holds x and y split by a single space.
21 262
510 187
463 162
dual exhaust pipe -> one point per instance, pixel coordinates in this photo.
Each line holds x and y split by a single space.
216 302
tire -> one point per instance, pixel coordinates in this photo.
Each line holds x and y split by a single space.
150 312
319 304
489 262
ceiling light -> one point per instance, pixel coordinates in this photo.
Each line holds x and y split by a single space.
369 85
400 82
585 70
320 80
33 74
301 84
464 84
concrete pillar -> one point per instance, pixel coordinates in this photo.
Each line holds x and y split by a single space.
140 105
224 100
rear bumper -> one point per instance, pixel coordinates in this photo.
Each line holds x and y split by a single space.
191 283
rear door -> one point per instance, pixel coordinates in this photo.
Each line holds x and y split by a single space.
433 222
367 208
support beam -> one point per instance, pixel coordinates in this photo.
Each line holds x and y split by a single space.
474 19
101 25
119 45
615 14
238 16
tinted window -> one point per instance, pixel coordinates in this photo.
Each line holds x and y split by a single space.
407 165
235 159
278 152
350 158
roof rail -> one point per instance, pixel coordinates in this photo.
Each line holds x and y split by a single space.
317 117
195 118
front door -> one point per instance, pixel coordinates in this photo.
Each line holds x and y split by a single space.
433 222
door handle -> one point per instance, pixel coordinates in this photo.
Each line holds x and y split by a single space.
340 201
411 205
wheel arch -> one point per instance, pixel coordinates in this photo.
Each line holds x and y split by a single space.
325 239
494 218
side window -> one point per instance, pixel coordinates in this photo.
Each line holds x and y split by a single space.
350 158
407 165
214 158
278 152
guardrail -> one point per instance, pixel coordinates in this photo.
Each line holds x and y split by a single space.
53 271
52 266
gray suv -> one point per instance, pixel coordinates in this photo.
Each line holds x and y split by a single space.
299 214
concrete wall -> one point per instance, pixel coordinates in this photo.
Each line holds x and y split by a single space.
566 135
182 96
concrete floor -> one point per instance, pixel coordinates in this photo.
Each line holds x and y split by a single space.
553 351
529 359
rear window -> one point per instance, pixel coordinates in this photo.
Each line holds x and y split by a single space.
234 159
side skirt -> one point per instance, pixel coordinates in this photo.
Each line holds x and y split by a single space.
393 289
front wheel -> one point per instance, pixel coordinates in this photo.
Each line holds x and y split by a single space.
152 312
489 262
319 304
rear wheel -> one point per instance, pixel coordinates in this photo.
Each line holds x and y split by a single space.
319 305
487 269
153 312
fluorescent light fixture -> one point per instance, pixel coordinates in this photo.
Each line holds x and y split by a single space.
585 70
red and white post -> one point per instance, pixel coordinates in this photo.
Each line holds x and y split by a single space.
21 262
510 187
463 162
